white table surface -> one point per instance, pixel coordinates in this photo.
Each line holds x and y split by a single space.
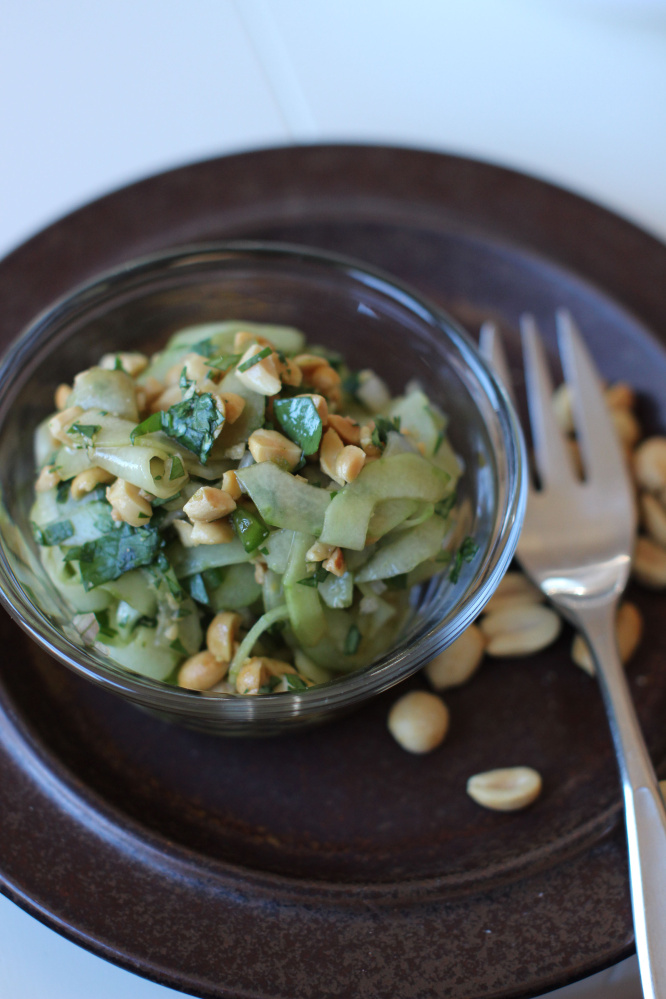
97 95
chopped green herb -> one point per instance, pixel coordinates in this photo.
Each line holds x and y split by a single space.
251 361
53 534
264 551
197 588
352 641
300 420
87 430
465 553
105 629
178 646
439 441
192 422
249 527
382 428
122 549
294 682
118 364
205 348
351 383
317 577
224 362
161 500
62 492
177 470
398 582
214 577
445 506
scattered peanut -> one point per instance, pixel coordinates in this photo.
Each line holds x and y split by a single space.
455 665
650 464
649 565
193 366
231 486
335 563
653 517
208 504
271 445
514 588
347 429
201 672
349 463
627 426
319 551
256 672
85 482
60 423
331 448
262 376
520 630
62 394
419 721
127 504
628 632
505 790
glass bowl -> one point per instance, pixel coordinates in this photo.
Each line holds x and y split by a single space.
373 321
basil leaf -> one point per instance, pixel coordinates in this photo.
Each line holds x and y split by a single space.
115 553
197 588
352 641
465 553
317 577
294 682
224 361
53 534
149 426
300 420
192 423
177 470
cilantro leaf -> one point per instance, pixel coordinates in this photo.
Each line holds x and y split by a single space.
87 430
108 557
382 428
317 577
251 361
300 420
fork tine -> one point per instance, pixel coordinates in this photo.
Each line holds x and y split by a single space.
600 447
550 450
492 348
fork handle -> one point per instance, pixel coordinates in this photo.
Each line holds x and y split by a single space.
645 814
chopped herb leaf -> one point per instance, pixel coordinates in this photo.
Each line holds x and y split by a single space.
294 682
178 646
224 362
160 501
53 534
465 553
177 470
300 420
334 493
122 549
87 430
197 588
264 551
438 442
317 577
352 641
62 492
445 506
205 347
351 383
214 577
382 428
192 422
118 364
398 582
251 361
105 629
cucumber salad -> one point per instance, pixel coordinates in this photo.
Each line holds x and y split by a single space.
242 513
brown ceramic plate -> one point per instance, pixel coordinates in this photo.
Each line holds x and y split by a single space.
333 864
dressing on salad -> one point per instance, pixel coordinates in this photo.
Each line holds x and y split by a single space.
242 513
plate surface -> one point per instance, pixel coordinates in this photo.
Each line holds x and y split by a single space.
312 865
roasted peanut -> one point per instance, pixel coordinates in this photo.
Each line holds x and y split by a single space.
520 630
61 422
47 479
271 445
256 672
331 448
335 563
132 363
262 376
650 464
455 665
505 790
201 672
217 532
128 504
419 721
62 394
85 482
347 430
649 564
349 463
221 635
319 551
653 516
230 485
514 589
628 632
209 503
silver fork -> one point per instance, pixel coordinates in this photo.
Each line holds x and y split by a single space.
576 544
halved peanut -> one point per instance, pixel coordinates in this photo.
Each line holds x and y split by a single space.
335 563
650 464
653 516
457 664
217 532
514 588
319 551
261 376
62 394
520 630
256 672
230 404
419 721
330 450
168 398
128 504
60 423
47 479
628 633
208 504
271 445
347 429
85 482
194 366
506 789
230 485
201 672
620 395
349 463
221 635
649 564
131 362
309 362
289 372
